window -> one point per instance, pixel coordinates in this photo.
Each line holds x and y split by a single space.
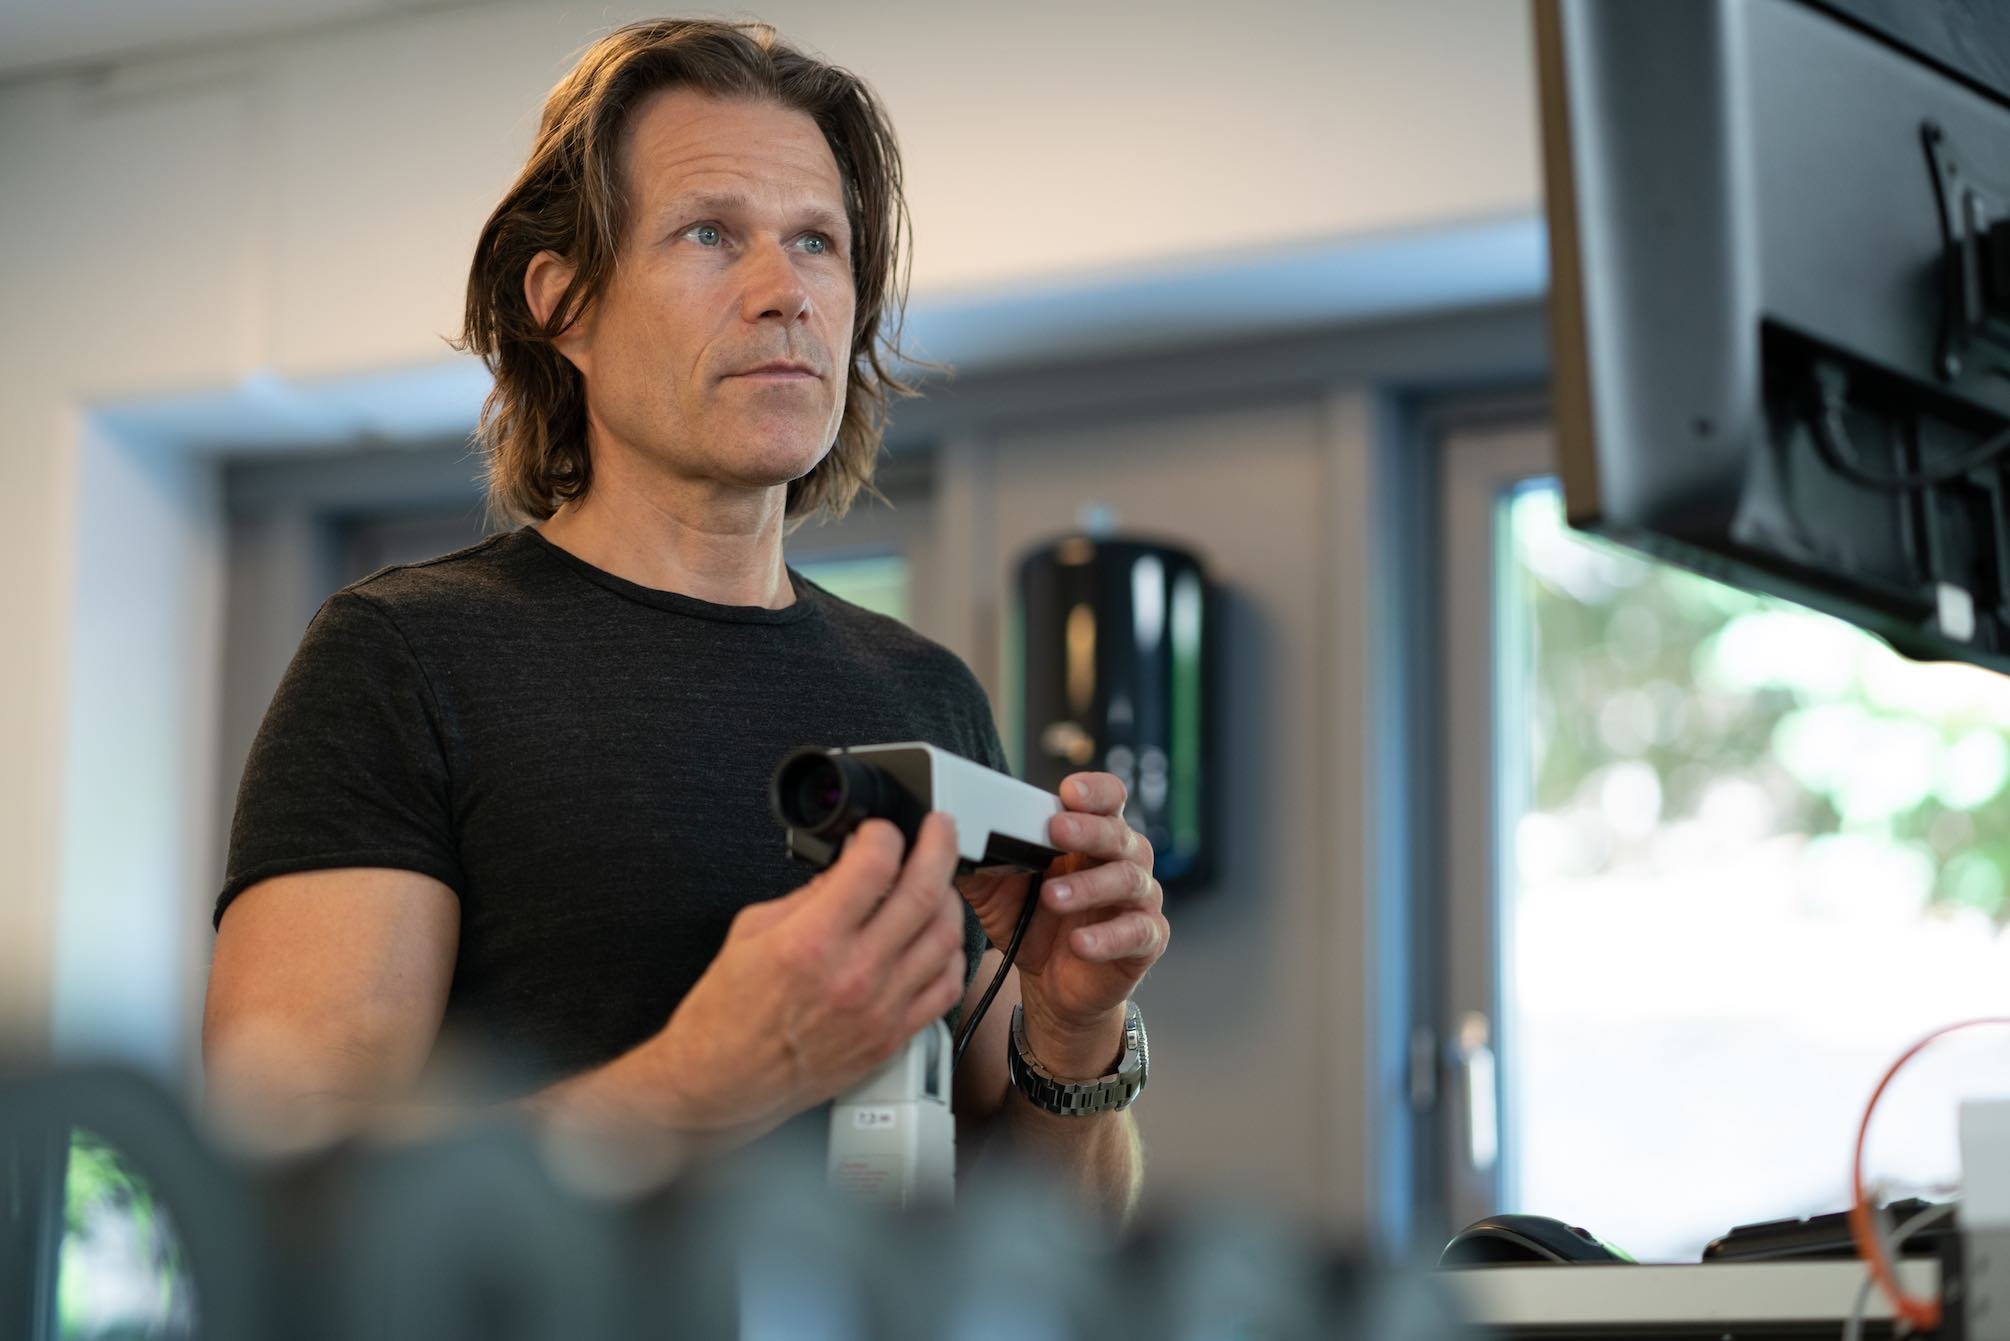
120 1273
1742 855
879 582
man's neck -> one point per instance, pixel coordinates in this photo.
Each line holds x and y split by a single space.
725 548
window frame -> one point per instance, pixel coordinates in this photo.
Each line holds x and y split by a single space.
1483 458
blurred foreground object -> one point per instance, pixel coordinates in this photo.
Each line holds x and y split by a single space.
468 1235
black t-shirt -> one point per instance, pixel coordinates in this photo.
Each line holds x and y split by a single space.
584 761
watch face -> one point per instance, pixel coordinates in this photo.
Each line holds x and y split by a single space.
1108 1094
1134 1043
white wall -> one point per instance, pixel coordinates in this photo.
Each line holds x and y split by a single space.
305 208
140 749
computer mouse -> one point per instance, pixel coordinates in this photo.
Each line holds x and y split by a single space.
1502 1239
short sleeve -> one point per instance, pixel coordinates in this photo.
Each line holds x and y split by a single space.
350 765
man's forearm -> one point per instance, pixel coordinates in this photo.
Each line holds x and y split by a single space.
291 1091
636 1099
1098 1154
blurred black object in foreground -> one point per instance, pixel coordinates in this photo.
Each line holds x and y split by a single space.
489 1232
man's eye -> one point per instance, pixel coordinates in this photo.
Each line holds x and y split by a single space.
816 244
706 235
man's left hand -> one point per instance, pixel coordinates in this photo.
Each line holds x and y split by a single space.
1101 921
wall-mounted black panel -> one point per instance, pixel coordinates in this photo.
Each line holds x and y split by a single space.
1119 676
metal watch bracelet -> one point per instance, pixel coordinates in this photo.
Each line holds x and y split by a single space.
1073 1099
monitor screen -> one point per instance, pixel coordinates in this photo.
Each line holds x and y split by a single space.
1780 299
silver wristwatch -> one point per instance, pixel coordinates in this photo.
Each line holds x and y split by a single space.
1070 1099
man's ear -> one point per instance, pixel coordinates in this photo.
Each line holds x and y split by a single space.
544 283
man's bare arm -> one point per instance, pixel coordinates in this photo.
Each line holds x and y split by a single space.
1098 1154
325 999
325 994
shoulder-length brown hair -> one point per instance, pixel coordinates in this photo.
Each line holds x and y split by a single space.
570 199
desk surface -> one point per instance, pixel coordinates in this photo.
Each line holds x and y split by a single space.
1724 1299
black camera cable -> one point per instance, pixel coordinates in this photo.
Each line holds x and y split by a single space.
969 1029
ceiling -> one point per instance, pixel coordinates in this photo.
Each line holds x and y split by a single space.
44 36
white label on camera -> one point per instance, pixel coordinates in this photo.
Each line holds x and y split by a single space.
875 1117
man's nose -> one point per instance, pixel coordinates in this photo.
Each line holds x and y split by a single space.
774 290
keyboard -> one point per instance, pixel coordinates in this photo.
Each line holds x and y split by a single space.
1823 1236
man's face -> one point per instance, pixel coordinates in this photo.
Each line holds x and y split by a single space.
719 349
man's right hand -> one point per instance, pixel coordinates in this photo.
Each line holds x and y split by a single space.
814 990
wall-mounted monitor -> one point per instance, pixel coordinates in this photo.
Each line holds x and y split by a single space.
1780 298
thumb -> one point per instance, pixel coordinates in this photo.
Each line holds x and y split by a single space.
866 867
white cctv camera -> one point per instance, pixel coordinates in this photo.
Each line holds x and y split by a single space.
820 796
892 1138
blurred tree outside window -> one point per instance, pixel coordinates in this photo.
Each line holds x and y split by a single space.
1749 853
120 1275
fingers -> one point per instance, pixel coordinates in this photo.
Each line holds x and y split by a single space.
889 930
944 992
1096 793
1116 884
937 948
851 888
1103 837
921 894
1128 936
862 884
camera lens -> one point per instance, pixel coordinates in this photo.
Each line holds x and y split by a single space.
808 790
812 793
826 796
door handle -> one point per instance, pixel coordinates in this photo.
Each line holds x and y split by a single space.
1474 1054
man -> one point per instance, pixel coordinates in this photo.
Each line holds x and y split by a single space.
517 794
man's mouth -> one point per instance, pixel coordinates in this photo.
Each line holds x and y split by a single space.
780 370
